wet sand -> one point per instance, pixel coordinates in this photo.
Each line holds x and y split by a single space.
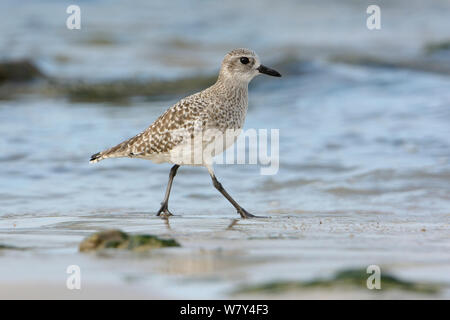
215 261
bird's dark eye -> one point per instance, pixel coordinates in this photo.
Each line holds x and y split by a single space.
244 60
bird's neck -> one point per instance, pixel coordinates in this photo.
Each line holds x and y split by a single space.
228 85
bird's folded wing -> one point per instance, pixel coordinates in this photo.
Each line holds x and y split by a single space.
169 130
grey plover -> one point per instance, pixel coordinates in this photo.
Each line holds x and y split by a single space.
217 109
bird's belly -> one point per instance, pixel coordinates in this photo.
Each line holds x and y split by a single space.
201 149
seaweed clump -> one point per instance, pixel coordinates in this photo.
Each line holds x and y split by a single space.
117 239
354 278
18 71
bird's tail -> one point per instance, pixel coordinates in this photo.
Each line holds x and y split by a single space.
104 155
114 152
97 157
110 153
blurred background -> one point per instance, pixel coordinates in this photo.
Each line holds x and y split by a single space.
364 119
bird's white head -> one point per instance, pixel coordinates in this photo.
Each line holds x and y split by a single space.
242 65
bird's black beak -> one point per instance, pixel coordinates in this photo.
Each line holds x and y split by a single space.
268 71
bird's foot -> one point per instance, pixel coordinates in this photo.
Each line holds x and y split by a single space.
164 212
246 215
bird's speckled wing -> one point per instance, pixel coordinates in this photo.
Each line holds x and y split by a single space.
164 134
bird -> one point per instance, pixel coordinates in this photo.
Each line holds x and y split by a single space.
198 123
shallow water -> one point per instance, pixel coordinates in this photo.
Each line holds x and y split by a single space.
150 39
364 178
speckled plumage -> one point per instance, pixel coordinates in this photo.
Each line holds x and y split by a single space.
188 132
223 106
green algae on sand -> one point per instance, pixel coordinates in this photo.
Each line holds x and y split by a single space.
117 239
8 247
122 90
437 46
19 71
16 78
351 278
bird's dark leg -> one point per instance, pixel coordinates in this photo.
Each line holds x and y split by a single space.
165 204
244 214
